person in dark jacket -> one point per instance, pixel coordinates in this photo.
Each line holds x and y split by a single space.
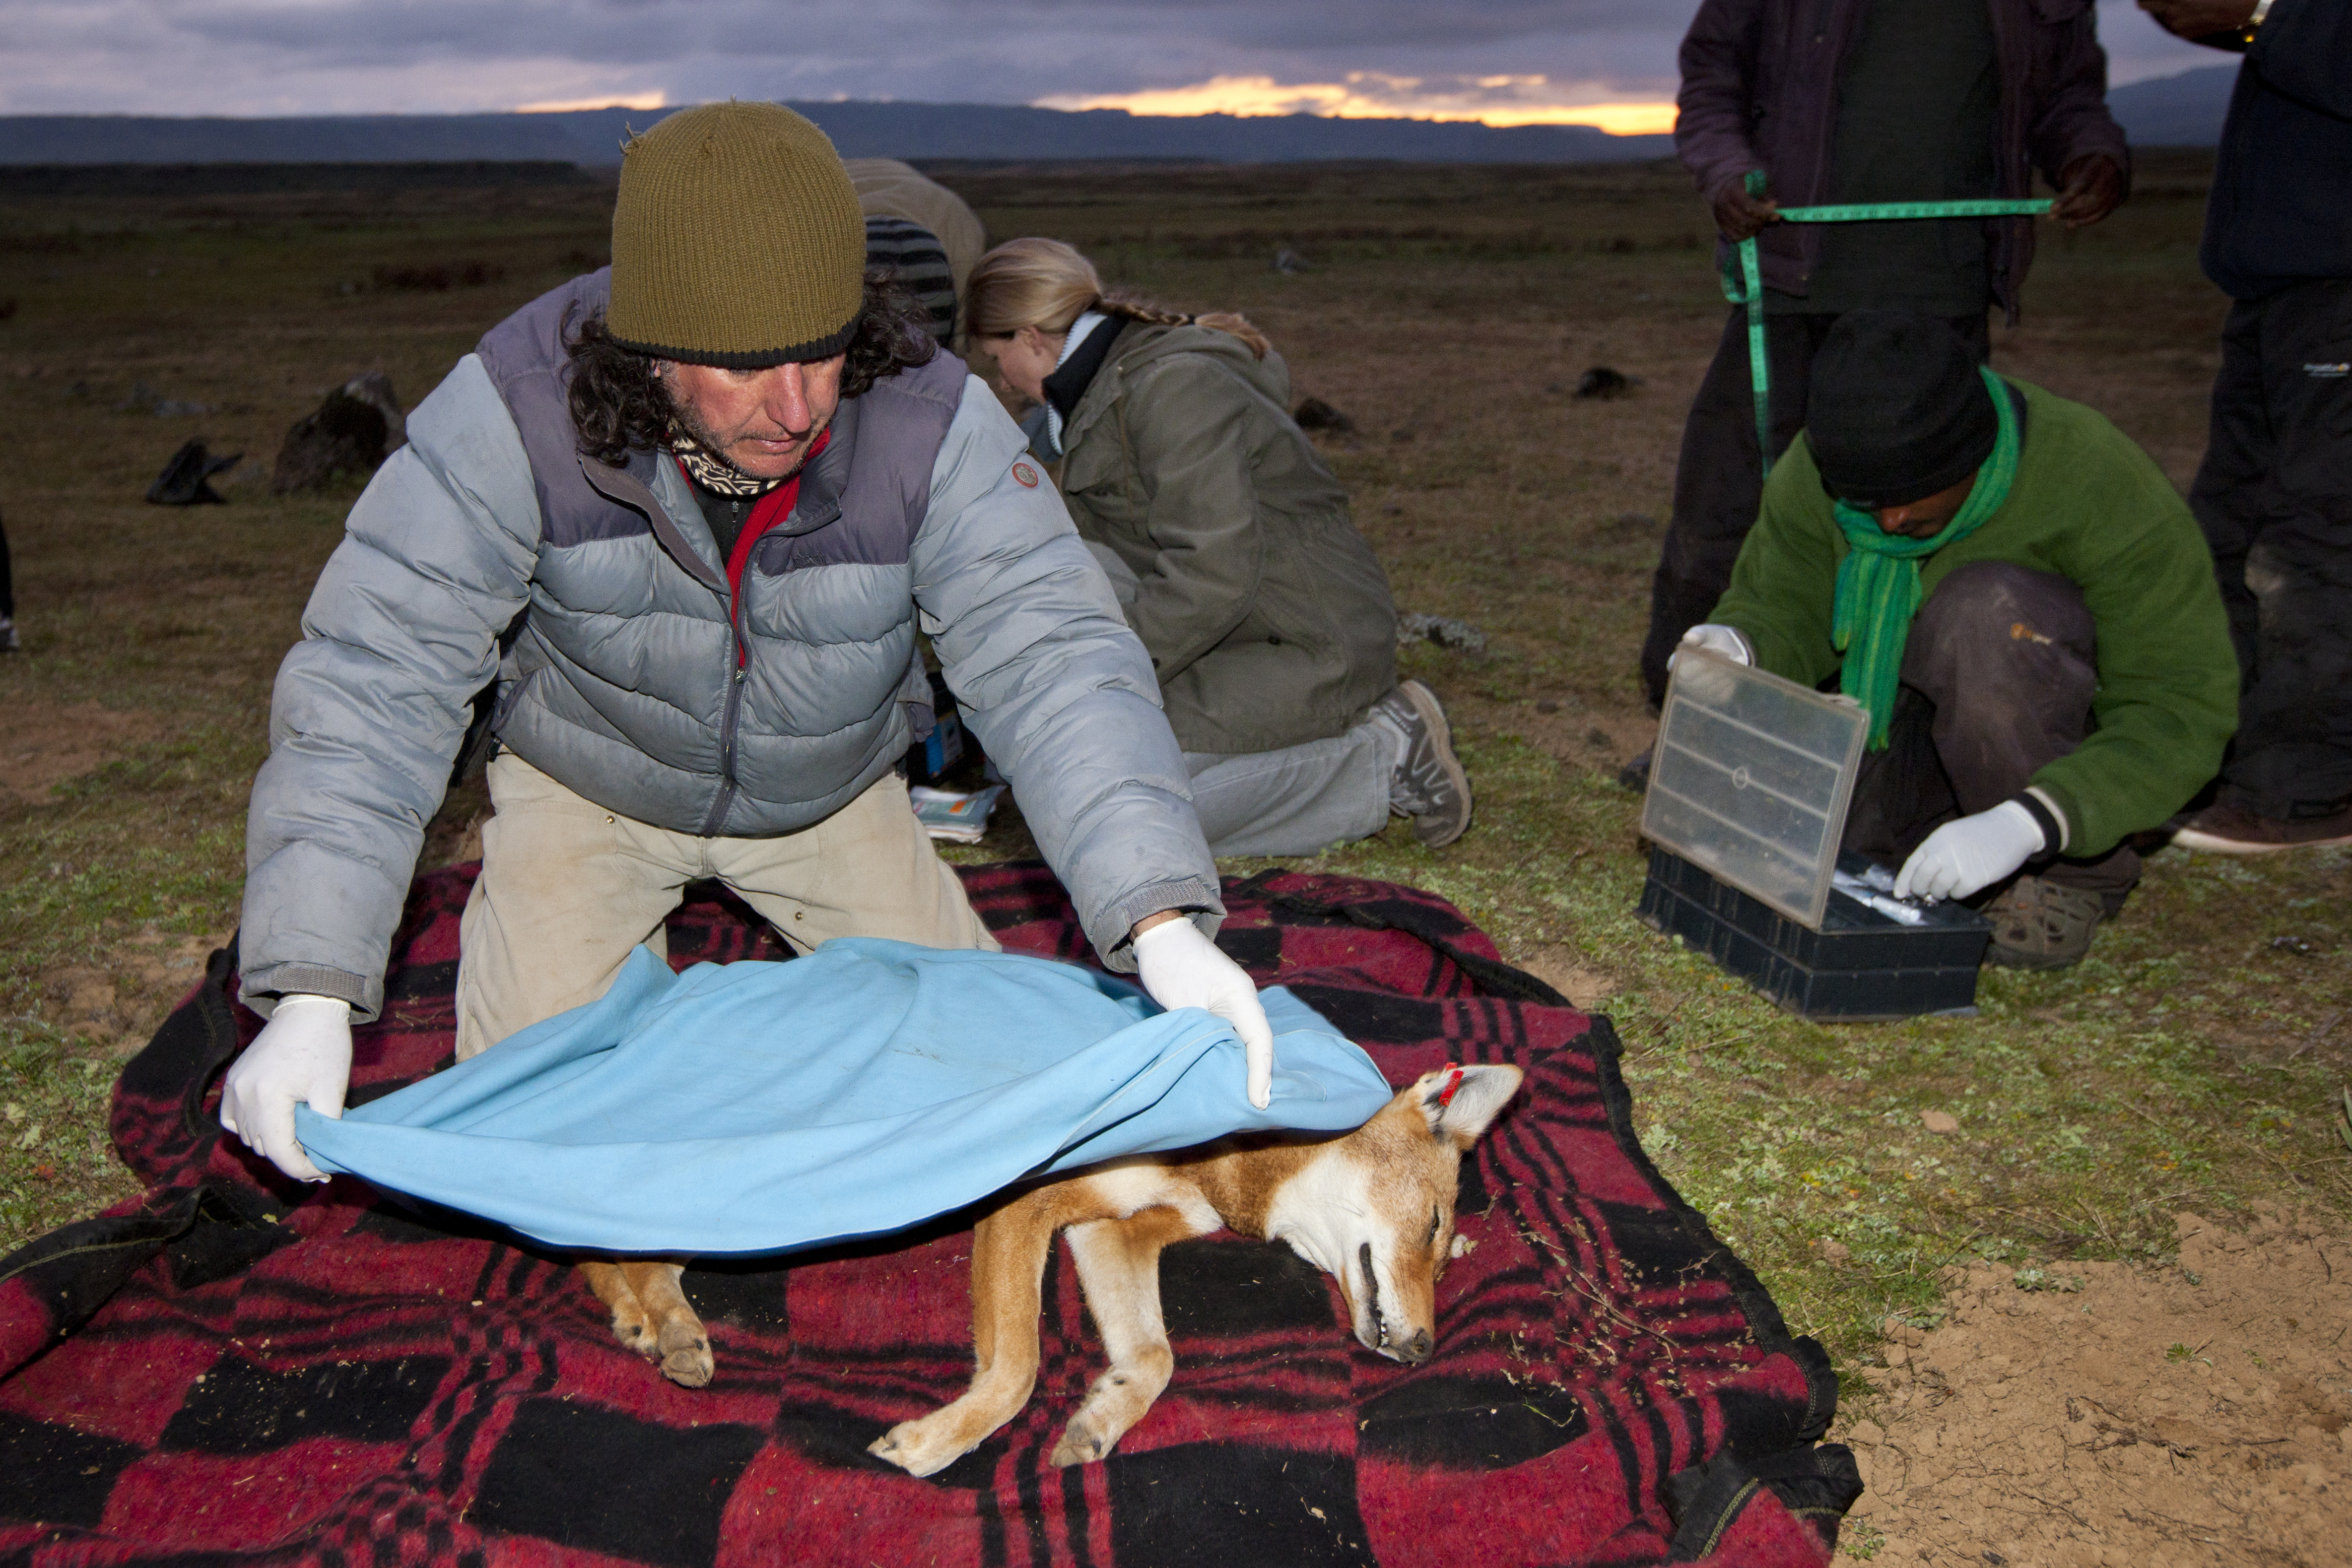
1266 616
2274 493
688 513
1862 100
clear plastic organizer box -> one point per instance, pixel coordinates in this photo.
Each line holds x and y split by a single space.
1752 779
1749 790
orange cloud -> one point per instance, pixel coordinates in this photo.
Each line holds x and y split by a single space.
1366 95
571 105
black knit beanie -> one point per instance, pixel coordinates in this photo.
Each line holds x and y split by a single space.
1898 411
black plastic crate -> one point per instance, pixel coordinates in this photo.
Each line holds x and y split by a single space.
1861 964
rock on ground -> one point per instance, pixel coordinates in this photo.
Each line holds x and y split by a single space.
350 433
2153 1416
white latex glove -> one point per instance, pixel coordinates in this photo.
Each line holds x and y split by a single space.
1975 852
1723 640
1182 968
303 1054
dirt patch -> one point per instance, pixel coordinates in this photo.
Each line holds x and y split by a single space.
116 1010
2110 1413
49 743
1567 971
1581 734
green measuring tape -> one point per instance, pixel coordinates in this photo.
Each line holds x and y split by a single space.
1745 285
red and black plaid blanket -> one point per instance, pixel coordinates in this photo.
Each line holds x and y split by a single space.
234 1368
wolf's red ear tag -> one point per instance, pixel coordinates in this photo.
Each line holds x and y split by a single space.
1445 1095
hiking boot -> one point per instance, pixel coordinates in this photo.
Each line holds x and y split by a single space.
2225 829
2038 925
1429 785
1635 775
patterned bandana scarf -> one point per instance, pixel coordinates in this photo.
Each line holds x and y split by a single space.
714 473
1878 582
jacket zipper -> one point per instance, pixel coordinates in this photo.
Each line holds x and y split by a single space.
730 715
739 644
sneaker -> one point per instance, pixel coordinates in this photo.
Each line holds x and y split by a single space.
2226 829
1429 785
2037 925
8 642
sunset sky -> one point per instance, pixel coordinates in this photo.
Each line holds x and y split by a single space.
1608 63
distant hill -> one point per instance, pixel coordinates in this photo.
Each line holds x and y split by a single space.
965 131
2185 110
185 180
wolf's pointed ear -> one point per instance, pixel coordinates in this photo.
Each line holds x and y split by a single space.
1459 1102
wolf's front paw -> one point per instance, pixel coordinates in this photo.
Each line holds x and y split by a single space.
919 1448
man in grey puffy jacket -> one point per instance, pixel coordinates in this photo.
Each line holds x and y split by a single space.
689 514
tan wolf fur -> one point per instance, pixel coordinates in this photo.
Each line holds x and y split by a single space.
1373 1208
651 1316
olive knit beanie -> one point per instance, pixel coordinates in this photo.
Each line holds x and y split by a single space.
736 240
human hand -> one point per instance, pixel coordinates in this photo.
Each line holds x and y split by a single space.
2093 187
1725 640
1182 968
302 1055
2196 19
1739 216
1976 852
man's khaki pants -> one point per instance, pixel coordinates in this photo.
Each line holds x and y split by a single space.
569 889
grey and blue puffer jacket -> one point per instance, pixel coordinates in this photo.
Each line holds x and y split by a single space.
628 676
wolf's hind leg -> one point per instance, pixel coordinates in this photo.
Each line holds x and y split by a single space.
1009 1248
1118 1268
650 1315
612 1288
679 1337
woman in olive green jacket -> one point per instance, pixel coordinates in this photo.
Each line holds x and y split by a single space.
1228 541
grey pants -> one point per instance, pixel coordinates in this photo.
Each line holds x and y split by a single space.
1299 800
1998 676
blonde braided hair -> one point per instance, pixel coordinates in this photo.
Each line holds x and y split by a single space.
1048 285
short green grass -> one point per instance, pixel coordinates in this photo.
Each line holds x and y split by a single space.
2194 1061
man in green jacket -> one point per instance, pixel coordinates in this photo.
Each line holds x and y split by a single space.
2024 604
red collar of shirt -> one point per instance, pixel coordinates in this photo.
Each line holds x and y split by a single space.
766 512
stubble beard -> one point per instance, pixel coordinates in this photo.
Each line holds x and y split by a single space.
686 425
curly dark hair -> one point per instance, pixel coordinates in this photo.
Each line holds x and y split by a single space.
620 406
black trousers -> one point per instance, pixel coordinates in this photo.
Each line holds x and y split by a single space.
1998 676
1719 479
2274 499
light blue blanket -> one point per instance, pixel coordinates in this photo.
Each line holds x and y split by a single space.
759 1107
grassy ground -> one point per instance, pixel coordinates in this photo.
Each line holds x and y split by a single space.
2190 1063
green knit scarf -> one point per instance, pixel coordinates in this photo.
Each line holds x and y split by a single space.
1878 582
